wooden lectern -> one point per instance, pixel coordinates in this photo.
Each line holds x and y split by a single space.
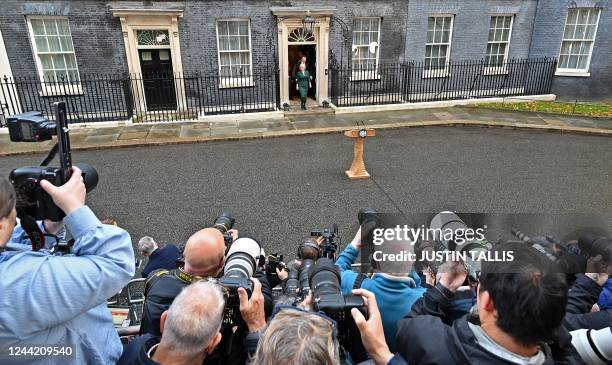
357 170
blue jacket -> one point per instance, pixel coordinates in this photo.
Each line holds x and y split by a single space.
61 300
162 258
394 295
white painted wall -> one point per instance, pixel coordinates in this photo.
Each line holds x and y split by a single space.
5 69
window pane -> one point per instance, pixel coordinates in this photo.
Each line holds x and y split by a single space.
62 26
590 32
593 15
428 51
506 35
233 28
222 28
573 61
357 24
430 23
38 27
54 45
46 62
41 43
583 16
565 48
48 76
580 31
572 15
234 43
443 50
70 61
224 43
582 62
430 36
507 21
58 62
501 49
569 31
224 59
66 43
244 43
50 27
73 76
243 28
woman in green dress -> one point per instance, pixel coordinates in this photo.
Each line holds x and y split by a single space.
302 79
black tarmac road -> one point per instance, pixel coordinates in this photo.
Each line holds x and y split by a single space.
279 189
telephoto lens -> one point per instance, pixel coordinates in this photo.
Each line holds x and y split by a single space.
290 288
240 265
593 346
242 258
304 276
224 221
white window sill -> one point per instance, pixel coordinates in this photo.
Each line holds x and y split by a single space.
365 76
60 90
572 73
433 74
234 83
490 71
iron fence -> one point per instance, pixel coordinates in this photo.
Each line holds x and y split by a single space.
143 97
422 81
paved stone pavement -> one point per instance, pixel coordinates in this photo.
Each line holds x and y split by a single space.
309 123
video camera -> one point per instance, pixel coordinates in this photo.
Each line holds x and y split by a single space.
331 241
33 203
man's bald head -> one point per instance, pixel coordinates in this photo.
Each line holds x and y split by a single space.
205 252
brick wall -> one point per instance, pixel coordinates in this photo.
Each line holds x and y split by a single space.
547 37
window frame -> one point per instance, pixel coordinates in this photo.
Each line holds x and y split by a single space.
503 69
56 88
231 81
575 71
366 75
442 72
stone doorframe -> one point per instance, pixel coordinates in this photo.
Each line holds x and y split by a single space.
291 17
152 19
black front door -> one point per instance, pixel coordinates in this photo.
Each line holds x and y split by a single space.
157 78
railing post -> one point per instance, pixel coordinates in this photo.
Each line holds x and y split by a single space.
277 85
127 95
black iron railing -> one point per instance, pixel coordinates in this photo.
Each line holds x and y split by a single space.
147 97
420 81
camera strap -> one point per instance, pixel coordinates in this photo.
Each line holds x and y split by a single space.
32 230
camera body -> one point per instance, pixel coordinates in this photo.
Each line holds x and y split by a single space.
32 201
331 241
325 285
274 261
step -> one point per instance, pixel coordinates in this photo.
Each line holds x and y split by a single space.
312 110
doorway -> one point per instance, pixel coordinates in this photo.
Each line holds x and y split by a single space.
157 78
294 54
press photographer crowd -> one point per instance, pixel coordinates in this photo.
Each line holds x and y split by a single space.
69 295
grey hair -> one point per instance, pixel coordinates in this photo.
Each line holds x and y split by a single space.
146 245
194 318
297 338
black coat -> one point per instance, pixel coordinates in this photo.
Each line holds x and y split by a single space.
162 258
581 297
423 337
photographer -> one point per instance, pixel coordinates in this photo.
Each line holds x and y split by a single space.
298 336
61 300
191 327
159 257
520 304
395 292
583 296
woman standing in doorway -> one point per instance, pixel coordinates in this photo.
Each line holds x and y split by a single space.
302 79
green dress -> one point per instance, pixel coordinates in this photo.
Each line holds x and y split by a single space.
303 81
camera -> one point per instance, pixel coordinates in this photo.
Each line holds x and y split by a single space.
331 241
241 263
33 203
592 245
273 262
593 346
447 222
327 298
224 222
